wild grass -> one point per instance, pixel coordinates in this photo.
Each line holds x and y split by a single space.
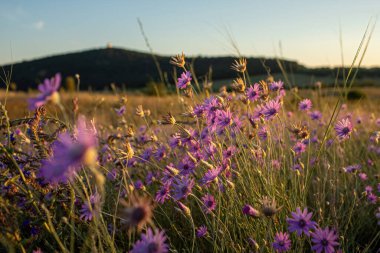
106 199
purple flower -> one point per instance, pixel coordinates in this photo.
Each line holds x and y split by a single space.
120 111
315 115
160 153
343 129
229 152
253 93
163 193
90 209
186 166
263 133
305 105
223 119
202 231
210 106
182 188
250 211
175 140
372 198
199 111
276 164
49 92
324 240
299 148
69 154
184 80
275 86
151 242
363 176
352 168
271 109
209 203
210 175
368 189
281 242
301 222
139 185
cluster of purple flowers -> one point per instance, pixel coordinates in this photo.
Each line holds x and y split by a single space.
324 240
198 161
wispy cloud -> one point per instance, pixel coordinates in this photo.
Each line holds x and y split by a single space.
39 25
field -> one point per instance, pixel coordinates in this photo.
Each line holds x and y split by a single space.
257 167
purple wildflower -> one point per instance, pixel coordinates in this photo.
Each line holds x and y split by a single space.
90 209
182 187
163 193
275 86
229 152
301 222
352 168
305 105
343 129
223 119
160 153
368 189
297 167
253 93
250 211
209 203
276 164
324 240
139 185
210 106
299 148
281 242
49 92
186 166
151 242
315 115
199 111
263 133
210 175
184 80
175 140
202 231
271 109
258 112
363 176
120 111
372 198
69 155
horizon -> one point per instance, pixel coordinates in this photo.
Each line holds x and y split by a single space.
188 56
308 32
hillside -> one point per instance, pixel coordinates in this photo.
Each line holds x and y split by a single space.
99 68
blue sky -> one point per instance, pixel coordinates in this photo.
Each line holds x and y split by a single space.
308 30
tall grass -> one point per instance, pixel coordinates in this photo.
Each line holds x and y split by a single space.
111 199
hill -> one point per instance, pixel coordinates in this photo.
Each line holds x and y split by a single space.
99 68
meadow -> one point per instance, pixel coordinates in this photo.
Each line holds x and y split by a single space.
254 167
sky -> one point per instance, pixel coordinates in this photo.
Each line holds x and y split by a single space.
308 31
